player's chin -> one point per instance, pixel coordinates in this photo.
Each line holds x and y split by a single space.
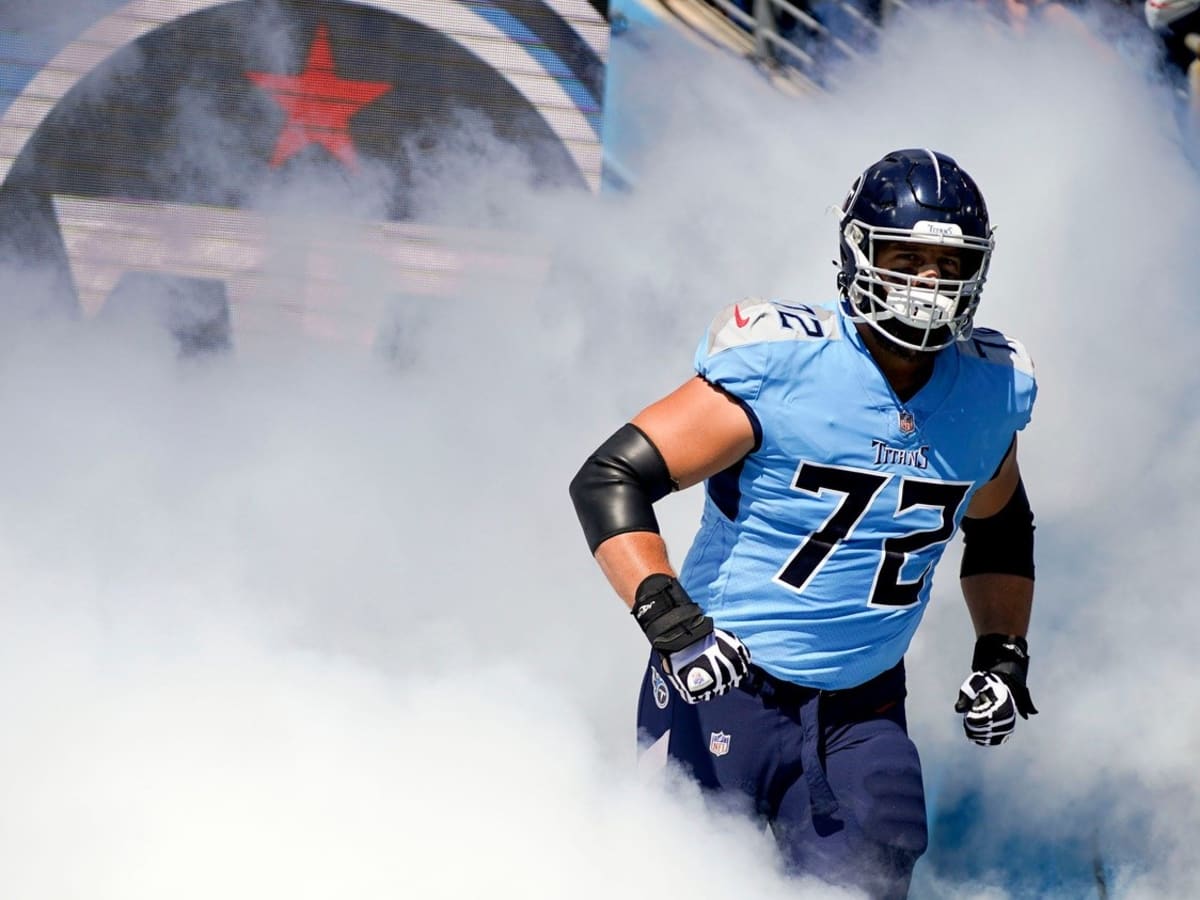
903 340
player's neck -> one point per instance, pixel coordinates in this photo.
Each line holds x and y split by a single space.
905 370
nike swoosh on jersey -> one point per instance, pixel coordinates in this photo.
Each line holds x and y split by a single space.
741 320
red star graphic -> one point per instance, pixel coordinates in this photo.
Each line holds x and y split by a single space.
318 104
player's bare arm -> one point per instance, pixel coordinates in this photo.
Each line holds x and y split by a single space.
997 583
694 432
991 497
698 430
1000 602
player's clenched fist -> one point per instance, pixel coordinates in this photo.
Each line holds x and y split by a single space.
989 714
995 692
709 667
699 660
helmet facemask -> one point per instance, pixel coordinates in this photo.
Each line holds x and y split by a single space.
916 313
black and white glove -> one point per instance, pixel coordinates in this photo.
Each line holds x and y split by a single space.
701 661
995 692
709 667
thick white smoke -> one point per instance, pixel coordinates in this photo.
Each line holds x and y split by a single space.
307 622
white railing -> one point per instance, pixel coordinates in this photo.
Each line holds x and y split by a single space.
774 48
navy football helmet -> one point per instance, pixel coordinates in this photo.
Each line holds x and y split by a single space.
923 197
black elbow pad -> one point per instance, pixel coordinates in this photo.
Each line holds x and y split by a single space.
615 489
1000 544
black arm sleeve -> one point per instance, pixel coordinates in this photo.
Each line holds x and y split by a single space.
615 489
1003 543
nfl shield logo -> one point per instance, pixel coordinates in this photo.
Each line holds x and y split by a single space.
718 743
907 423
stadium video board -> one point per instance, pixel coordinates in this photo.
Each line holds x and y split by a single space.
142 158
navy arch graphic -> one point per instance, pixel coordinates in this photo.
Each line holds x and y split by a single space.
175 118
552 30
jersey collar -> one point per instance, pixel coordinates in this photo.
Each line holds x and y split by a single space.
924 402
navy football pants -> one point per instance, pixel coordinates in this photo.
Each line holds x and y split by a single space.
834 773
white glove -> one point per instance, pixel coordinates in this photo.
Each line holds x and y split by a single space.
988 708
708 668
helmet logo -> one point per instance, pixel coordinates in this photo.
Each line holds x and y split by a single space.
942 229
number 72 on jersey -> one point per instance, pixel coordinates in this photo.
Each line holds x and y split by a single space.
859 490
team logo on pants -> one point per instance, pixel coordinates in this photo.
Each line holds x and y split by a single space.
662 696
718 743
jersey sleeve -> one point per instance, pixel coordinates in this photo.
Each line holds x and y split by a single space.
733 354
1009 367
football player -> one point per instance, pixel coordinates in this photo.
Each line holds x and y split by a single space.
841 446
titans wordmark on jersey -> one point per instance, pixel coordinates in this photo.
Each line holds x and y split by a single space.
818 548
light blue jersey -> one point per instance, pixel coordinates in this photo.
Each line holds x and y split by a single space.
818 549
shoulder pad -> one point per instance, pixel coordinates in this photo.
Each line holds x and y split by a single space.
996 347
753 320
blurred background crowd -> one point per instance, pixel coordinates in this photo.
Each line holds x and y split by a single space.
810 38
